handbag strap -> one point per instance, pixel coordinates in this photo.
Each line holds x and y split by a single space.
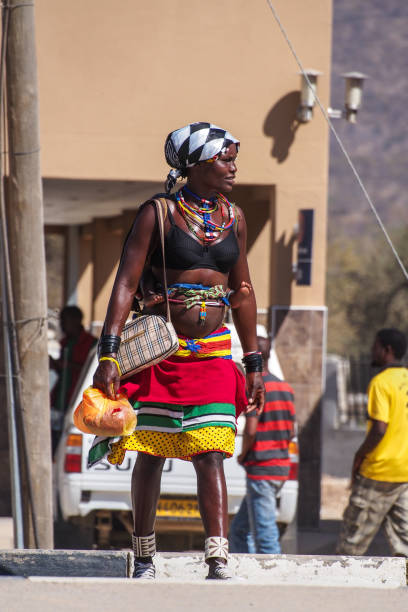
159 209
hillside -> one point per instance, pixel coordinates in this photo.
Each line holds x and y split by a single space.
370 36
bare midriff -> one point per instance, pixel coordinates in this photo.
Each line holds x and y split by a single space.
187 321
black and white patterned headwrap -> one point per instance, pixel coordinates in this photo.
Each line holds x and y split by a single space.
194 143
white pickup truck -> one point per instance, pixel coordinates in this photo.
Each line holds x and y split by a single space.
98 498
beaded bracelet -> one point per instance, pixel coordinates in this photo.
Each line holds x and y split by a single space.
114 361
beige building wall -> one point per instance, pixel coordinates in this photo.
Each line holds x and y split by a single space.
114 79
114 82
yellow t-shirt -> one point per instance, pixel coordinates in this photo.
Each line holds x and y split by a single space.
388 402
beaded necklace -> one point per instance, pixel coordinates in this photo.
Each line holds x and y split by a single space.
206 203
205 210
200 217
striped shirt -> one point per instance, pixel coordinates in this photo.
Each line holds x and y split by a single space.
268 458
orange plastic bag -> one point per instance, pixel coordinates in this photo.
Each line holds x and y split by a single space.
98 415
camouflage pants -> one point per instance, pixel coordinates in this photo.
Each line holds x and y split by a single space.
373 503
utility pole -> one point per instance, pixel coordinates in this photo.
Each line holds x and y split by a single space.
27 263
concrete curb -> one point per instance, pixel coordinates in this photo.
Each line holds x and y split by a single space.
373 572
307 570
66 563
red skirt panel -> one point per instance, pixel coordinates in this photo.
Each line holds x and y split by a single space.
188 381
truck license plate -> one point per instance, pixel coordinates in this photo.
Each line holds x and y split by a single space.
178 508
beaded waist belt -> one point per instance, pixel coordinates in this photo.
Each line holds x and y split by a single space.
195 294
199 295
217 344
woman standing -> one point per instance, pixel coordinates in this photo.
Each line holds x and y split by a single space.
187 404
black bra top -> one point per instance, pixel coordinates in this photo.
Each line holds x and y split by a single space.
183 252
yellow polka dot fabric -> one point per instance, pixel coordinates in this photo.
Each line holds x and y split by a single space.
183 445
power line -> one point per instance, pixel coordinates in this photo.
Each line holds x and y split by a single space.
339 141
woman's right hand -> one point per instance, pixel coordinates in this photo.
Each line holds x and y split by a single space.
106 378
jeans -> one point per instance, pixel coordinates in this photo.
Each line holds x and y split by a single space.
254 528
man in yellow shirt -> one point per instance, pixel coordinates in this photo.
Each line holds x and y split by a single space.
380 469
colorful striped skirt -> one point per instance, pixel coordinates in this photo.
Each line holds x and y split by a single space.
187 404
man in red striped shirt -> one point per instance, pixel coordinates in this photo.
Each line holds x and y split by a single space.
265 457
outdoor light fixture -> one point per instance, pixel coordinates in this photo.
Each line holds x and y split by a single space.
352 102
307 98
354 93
353 97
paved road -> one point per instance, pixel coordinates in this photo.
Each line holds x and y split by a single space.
95 595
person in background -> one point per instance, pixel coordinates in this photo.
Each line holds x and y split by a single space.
75 346
265 457
379 488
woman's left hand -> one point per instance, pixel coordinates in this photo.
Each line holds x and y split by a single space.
255 392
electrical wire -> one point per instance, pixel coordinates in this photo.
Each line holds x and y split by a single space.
339 142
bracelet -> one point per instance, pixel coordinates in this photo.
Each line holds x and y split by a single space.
253 368
107 350
108 343
114 361
253 362
252 353
252 357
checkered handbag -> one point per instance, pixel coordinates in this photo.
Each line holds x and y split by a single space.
148 339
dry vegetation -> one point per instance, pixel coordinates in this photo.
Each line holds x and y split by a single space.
366 288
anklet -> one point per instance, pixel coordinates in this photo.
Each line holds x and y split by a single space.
216 546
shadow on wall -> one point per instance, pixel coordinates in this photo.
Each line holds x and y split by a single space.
309 498
284 248
254 201
282 256
281 125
